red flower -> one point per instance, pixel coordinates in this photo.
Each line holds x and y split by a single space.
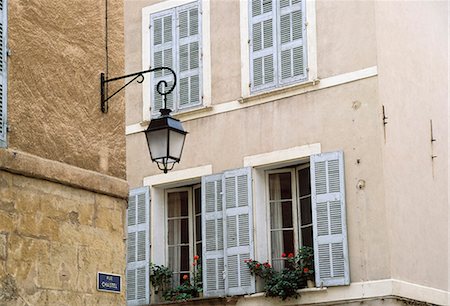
196 257
267 265
185 277
291 255
283 255
257 265
305 270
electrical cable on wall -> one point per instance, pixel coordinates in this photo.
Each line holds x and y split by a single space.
106 44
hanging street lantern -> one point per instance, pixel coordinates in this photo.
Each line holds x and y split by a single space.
165 135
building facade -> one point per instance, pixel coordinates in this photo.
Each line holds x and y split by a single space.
311 123
63 192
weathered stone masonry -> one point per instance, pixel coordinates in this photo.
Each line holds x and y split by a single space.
54 238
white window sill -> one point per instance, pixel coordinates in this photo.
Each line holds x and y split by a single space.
281 92
192 111
299 291
181 114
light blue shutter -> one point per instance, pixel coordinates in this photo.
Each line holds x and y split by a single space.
3 71
212 236
238 231
292 41
162 46
263 59
189 57
138 247
329 225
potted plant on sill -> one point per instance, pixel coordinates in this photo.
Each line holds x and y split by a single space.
285 283
160 279
190 287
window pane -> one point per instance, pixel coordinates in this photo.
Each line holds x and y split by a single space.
278 264
185 261
177 204
182 278
176 280
178 231
305 206
175 259
198 200
288 238
184 227
307 236
304 183
198 250
198 228
281 215
280 186
282 242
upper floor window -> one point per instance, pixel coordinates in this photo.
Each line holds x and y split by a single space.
176 42
277 32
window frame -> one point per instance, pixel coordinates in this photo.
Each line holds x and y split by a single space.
311 52
294 208
205 53
296 204
191 223
299 217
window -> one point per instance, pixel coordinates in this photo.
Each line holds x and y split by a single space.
289 196
183 230
306 207
3 72
175 42
277 31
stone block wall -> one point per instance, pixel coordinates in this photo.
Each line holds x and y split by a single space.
54 239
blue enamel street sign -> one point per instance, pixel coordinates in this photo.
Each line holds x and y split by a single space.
108 282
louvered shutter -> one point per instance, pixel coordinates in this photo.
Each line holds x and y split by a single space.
188 44
291 45
263 59
329 225
212 236
162 54
138 247
3 72
238 231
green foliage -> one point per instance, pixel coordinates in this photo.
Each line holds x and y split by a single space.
304 261
285 283
182 292
160 277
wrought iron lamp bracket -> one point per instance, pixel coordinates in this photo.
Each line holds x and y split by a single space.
139 77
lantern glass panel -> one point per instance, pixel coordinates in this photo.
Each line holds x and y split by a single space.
176 144
157 143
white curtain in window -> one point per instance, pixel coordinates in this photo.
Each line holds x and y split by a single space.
276 216
174 210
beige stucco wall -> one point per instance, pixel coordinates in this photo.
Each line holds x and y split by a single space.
344 45
345 36
413 85
345 117
397 224
340 118
57 54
